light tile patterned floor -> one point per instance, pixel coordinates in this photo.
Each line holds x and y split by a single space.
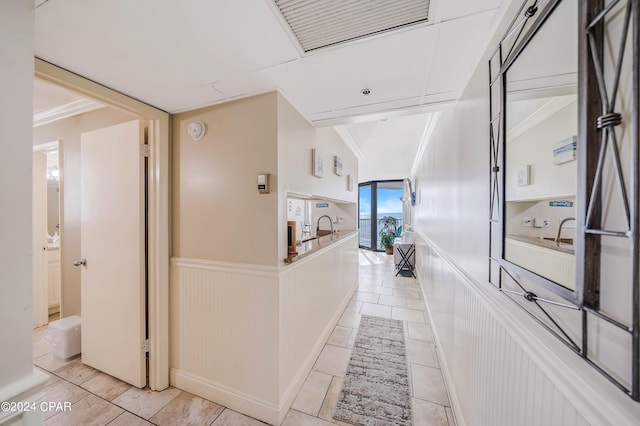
99 399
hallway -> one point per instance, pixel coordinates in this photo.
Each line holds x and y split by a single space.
99 399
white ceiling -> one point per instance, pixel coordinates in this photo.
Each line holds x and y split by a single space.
182 55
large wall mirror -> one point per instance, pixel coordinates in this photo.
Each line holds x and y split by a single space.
540 173
564 170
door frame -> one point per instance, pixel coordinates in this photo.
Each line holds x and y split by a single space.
44 148
158 206
39 217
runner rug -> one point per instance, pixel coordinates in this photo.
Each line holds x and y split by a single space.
376 385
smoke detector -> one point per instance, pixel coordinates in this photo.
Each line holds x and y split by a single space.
365 92
197 130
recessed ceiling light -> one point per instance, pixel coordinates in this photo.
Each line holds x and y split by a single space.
365 92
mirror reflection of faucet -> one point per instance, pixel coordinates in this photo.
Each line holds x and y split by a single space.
320 233
565 220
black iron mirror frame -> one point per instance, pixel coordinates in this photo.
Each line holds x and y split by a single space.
596 121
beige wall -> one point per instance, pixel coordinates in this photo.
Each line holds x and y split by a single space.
218 213
296 139
69 131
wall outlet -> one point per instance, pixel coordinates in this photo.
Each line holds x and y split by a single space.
546 222
526 221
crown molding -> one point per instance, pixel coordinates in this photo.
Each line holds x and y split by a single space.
70 109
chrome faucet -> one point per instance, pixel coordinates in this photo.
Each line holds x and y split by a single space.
330 223
566 219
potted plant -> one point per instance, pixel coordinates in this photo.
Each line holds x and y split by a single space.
388 233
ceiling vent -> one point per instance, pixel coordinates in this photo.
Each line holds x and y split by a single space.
321 23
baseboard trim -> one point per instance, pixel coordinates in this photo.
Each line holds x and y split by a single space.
260 409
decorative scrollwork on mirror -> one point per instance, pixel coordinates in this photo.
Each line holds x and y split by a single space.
564 170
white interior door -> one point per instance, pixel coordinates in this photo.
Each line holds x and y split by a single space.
112 245
40 291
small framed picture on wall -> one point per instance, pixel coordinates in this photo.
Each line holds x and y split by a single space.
316 163
337 165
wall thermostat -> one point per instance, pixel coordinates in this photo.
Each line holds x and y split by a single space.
196 130
263 183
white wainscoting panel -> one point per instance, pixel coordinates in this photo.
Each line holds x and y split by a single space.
500 366
246 336
223 325
313 294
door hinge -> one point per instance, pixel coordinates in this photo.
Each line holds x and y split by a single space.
145 150
145 345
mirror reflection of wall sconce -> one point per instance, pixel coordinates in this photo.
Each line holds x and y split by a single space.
524 175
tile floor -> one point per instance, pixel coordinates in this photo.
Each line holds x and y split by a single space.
99 399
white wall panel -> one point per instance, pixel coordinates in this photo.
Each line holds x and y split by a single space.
313 295
19 381
246 336
224 342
